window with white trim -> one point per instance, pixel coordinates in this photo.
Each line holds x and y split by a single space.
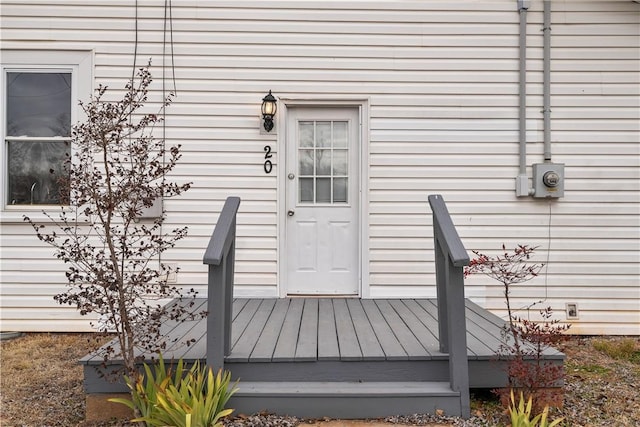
37 135
40 104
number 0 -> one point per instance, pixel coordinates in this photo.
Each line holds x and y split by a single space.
268 166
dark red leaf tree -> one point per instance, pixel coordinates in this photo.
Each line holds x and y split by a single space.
524 341
118 168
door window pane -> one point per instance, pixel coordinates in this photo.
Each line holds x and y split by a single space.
323 162
323 190
306 162
306 190
340 190
37 172
340 134
38 104
305 131
323 134
339 162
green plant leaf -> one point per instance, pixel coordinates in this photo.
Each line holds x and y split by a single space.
126 402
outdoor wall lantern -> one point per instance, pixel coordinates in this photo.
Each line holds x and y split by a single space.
269 108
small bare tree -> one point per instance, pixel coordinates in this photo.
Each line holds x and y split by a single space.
117 169
524 341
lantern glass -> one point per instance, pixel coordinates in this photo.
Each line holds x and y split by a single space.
269 105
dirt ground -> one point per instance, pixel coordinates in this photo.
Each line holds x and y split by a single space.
41 385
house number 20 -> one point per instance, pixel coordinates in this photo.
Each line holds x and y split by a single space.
268 166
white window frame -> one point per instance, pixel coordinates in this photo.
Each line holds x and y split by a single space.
80 65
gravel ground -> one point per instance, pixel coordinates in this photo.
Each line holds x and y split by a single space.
41 385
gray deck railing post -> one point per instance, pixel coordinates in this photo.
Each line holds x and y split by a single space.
451 257
220 257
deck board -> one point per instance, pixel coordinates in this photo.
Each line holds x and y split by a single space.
367 339
334 329
408 341
266 345
475 348
391 347
423 334
238 305
242 320
185 332
431 324
489 321
347 337
307 347
483 330
243 348
288 340
327 335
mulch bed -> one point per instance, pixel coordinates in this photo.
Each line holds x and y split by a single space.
41 385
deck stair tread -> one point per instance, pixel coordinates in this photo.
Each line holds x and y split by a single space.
347 388
343 399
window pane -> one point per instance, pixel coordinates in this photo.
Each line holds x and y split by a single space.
323 134
39 104
306 162
35 172
339 134
340 190
340 162
306 190
323 162
323 190
305 131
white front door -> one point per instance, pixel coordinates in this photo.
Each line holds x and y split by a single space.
322 194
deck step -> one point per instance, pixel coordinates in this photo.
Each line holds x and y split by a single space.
345 399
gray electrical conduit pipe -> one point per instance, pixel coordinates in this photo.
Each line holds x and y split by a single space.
546 79
522 181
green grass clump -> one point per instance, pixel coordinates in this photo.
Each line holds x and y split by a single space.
624 349
184 398
593 369
521 414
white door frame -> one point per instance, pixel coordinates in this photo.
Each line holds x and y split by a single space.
363 185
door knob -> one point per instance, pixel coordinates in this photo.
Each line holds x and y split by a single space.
291 176
290 213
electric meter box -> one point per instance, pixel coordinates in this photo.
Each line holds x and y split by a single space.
548 180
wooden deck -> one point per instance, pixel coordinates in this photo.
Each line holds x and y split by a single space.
341 357
310 339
